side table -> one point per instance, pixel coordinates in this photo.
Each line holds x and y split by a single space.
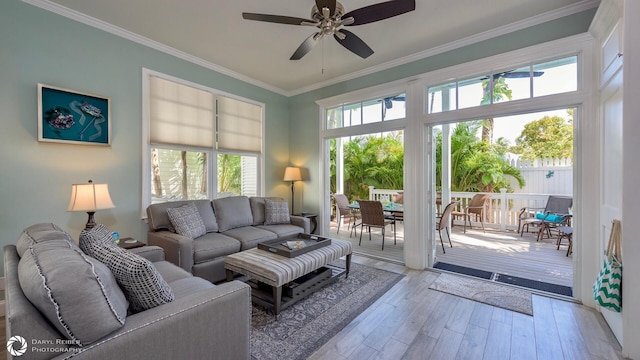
314 220
130 243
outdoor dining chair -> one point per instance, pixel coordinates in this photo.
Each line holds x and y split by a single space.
343 211
372 215
475 206
443 223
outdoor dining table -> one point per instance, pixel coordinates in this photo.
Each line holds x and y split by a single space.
390 207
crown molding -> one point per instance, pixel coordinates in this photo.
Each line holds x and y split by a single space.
118 31
503 30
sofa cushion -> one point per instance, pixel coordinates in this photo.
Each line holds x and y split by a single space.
170 272
41 232
212 246
188 286
187 221
250 236
159 219
276 212
140 281
232 212
283 230
257 208
75 292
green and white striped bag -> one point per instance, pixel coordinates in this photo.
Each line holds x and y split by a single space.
607 290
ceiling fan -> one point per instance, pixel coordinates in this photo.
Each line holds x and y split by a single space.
329 17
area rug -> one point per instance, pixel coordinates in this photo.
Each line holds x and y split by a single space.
505 297
305 326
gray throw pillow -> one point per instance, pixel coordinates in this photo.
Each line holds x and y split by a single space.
76 293
276 212
232 212
186 221
141 283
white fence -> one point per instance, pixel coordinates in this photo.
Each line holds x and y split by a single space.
544 176
502 211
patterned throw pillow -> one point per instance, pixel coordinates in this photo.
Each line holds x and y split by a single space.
141 283
276 212
186 221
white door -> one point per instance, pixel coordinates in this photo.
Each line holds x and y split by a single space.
611 191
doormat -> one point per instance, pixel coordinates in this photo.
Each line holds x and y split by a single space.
487 292
305 326
534 284
463 270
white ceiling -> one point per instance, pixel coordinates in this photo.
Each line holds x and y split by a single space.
213 33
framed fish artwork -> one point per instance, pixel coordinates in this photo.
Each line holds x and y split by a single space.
68 116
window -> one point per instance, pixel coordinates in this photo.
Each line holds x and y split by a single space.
195 132
547 78
367 112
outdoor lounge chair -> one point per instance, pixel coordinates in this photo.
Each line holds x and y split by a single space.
555 214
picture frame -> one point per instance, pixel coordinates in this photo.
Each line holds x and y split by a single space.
72 117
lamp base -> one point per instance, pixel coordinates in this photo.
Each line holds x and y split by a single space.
91 222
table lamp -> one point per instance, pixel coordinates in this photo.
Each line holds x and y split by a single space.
292 174
90 197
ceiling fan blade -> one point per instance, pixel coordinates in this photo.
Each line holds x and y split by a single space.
305 47
354 44
278 19
380 11
330 4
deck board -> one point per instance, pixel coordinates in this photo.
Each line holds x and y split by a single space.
499 252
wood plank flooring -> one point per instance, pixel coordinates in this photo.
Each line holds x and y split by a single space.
412 321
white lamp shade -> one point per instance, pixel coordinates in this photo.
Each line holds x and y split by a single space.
292 174
90 197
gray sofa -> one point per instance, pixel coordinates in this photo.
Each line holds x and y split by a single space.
232 224
62 303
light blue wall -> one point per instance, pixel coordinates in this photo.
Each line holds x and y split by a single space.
304 112
37 46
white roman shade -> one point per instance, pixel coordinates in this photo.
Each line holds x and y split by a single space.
239 125
180 114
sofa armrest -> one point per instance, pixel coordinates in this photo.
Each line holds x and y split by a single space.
151 253
178 249
215 321
301 221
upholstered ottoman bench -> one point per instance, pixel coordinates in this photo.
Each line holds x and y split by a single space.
276 271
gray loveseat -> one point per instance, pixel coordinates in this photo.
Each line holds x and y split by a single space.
231 224
62 303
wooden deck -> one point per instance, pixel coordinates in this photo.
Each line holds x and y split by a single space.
494 251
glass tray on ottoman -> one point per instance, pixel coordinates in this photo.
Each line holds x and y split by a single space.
308 243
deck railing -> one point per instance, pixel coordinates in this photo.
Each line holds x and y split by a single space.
502 211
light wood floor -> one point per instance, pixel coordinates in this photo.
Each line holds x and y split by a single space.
500 252
413 322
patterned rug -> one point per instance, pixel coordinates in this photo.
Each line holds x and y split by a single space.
506 297
308 324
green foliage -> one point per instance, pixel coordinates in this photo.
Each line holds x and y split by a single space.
548 137
476 165
369 161
229 174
